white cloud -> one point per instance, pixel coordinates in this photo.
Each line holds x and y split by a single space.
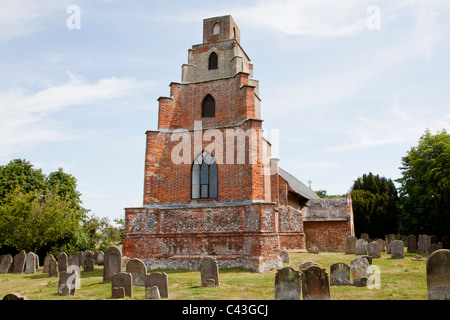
26 118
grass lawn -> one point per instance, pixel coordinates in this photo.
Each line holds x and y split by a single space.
401 279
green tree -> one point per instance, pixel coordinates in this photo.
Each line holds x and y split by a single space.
375 205
425 186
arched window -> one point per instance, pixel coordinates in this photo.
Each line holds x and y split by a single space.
204 177
216 29
208 107
213 61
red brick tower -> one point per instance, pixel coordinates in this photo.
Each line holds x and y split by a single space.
206 189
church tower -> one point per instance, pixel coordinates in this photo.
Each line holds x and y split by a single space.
210 187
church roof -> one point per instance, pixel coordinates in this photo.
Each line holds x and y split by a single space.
327 209
297 186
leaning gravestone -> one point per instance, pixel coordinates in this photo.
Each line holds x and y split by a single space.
315 285
5 263
123 280
397 249
350 243
412 244
160 280
53 267
360 271
373 250
139 271
361 247
67 283
47 259
19 262
287 284
63 261
30 263
438 275
339 274
209 270
112 263
88 260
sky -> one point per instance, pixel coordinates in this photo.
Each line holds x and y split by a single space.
349 85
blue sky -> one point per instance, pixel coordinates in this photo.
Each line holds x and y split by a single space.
347 98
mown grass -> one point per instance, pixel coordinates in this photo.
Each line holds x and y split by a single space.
401 279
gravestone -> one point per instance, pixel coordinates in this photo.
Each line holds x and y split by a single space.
67 283
209 270
389 238
412 244
405 241
382 245
307 264
88 263
152 293
438 275
373 250
339 274
19 262
47 259
37 261
315 285
14 296
123 280
139 271
360 271
365 236
160 280
424 243
350 244
397 249
74 259
313 249
53 267
63 261
284 254
433 247
112 263
30 263
287 284
100 258
368 258
5 263
118 292
361 247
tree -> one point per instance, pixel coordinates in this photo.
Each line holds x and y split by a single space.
425 186
375 205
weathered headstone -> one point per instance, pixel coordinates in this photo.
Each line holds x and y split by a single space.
5 263
315 285
100 258
47 259
37 261
152 293
88 263
373 250
361 247
14 296
313 249
160 280
339 274
112 263
19 262
74 259
382 245
67 283
350 244
53 267
63 261
438 275
30 263
360 271
365 236
389 238
397 249
412 244
368 258
123 280
118 292
209 270
424 243
307 264
284 254
139 271
287 284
